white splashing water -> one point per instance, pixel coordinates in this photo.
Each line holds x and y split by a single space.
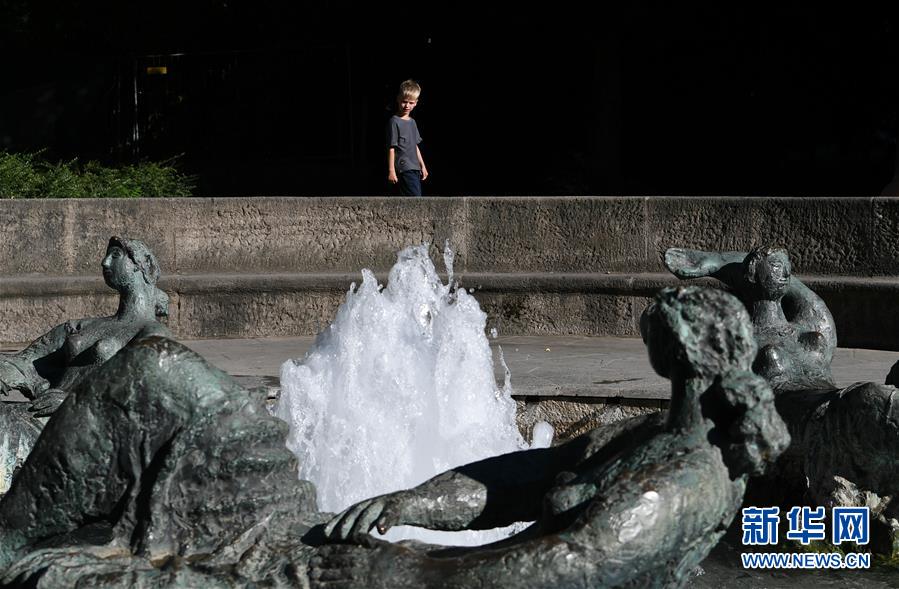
398 388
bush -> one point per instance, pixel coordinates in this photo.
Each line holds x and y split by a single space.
27 175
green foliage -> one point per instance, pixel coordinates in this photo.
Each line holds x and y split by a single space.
18 175
27 175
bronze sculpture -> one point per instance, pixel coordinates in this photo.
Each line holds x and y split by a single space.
793 327
62 356
55 362
158 469
845 448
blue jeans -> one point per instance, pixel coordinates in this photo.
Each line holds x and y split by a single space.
409 183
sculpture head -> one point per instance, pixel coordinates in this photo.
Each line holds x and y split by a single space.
130 265
767 270
697 331
694 332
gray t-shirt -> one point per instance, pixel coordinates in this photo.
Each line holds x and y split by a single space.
403 136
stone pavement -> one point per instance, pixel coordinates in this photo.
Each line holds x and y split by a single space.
541 366
575 383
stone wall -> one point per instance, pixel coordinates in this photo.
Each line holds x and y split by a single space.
271 266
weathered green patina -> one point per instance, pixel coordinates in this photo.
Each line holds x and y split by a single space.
845 449
792 325
54 363
157 470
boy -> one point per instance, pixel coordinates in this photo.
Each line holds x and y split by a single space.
405 166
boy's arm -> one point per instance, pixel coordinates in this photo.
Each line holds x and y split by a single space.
393 133
421 162
391 169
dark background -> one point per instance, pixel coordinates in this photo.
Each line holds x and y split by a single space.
291 98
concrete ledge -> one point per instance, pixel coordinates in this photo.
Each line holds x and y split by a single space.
645 284
260 305
247 267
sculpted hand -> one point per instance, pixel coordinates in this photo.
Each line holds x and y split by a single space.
47 403
382 512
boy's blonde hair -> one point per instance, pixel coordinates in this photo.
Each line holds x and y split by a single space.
409 89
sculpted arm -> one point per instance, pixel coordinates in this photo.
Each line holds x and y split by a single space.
48 343
687 263
487 494
574 558
625 536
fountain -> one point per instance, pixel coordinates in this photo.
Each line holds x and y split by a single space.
161 470
397 389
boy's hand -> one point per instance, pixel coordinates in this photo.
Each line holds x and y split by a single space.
391 177
424 173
